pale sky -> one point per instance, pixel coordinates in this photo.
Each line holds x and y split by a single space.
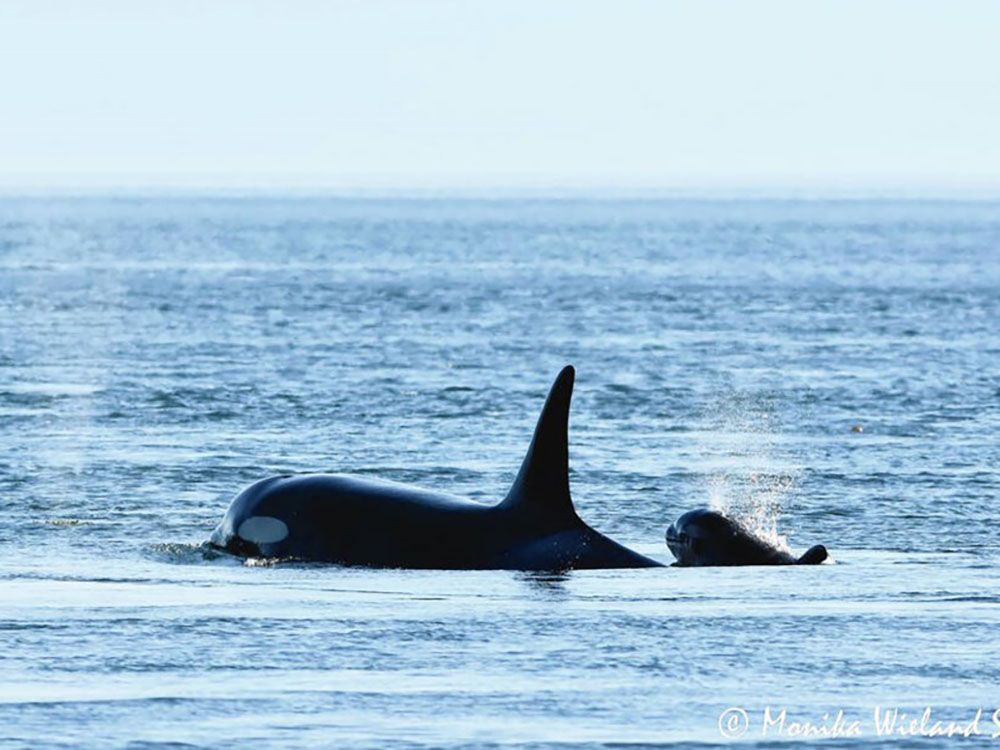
536 93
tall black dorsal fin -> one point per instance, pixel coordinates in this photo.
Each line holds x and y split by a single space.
542 485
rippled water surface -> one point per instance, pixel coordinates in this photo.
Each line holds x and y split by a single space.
830 371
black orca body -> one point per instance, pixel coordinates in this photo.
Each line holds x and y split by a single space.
704 537
353 520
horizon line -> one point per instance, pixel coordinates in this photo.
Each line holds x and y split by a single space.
500 190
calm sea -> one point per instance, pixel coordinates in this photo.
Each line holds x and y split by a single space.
829 370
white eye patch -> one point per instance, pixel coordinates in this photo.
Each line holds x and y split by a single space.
262 530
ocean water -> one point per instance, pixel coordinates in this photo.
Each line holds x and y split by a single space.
827 370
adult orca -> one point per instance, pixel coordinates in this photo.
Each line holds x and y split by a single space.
351 520
704 537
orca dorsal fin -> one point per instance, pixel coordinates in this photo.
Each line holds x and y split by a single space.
541 488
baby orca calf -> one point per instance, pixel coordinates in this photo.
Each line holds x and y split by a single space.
704 537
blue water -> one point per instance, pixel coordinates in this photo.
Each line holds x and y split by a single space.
829 371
